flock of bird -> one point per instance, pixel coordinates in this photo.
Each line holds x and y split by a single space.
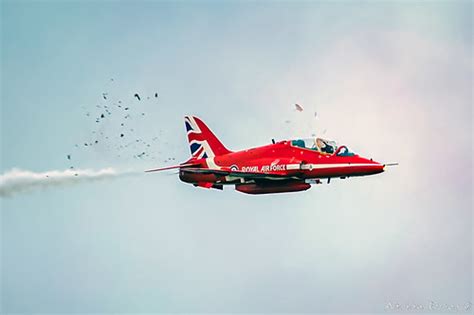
115 124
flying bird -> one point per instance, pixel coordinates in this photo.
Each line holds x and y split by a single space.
137 96
298 107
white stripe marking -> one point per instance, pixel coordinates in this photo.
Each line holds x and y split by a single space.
324 166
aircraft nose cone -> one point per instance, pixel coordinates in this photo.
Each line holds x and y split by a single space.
379 167
376 167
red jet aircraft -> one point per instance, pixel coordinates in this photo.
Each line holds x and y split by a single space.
285 166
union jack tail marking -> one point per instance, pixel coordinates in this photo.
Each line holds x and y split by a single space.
202 142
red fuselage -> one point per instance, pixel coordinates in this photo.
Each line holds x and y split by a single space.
296 165
285 166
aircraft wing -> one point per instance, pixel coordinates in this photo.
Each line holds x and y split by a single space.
239 174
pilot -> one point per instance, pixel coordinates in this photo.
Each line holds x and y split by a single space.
326 148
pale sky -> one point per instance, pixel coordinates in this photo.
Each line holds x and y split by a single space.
392 80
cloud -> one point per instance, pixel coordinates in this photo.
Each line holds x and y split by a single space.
18 181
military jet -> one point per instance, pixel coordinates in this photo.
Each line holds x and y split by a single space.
283 166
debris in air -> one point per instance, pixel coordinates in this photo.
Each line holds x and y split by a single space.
107 107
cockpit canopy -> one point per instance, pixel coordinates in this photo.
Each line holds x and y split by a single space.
322 145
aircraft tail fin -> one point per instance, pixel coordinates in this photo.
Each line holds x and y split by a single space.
202 142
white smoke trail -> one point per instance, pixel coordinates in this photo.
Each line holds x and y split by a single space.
18 181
